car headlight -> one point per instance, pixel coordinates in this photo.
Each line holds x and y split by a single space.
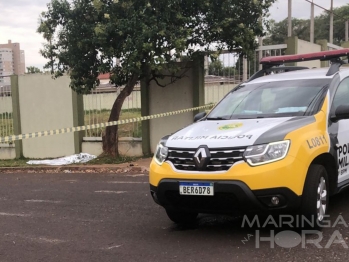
160 153
266 153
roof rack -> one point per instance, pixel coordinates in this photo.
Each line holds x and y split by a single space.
275 63
269 69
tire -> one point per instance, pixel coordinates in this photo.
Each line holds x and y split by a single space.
315 198
180 217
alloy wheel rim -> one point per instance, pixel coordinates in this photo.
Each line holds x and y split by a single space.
321 203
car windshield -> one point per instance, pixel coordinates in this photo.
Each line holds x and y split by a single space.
270 99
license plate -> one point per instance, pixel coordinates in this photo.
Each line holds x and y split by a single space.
196 188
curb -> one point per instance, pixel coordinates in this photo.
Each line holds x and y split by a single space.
75 169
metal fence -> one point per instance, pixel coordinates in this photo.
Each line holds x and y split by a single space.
234 70
6 120
214 92
97 108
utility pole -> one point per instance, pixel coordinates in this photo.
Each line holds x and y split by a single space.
331 23
312 22
244 69
346 30
289 31
260 43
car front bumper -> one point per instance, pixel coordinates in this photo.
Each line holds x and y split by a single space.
230 197
241 188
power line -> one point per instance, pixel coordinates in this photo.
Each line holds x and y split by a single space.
323 8
333 14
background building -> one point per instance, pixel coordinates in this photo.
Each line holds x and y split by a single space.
12 61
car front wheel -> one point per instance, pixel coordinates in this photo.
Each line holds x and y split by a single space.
315 198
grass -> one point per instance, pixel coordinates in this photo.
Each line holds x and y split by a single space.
111 160
101 160
125 130
22 162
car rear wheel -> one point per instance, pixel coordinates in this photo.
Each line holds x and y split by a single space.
181 217
315 198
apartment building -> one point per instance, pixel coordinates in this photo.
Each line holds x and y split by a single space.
12 61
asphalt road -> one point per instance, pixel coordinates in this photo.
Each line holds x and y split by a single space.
111 217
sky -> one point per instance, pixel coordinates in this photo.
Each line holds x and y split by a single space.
19 22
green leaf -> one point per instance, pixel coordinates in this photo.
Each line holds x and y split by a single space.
87 36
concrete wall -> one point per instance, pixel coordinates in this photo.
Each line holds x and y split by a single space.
46 104
186 92
213 93
5 104
7 151
128 146
170 98
91 102
307 47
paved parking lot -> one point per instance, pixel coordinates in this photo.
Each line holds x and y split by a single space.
111 217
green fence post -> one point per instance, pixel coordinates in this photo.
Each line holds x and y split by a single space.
345 44
16 115
323 44
78 120
198 83
145 111
292 48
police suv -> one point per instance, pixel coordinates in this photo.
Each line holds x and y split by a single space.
278 142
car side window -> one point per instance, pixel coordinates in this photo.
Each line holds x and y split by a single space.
342 95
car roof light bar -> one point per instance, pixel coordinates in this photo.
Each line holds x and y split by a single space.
323 56
333 56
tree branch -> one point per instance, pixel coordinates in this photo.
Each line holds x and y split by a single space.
174 78
156 81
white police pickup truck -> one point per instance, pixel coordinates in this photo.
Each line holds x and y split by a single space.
276 143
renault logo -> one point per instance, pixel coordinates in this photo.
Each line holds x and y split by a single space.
202 157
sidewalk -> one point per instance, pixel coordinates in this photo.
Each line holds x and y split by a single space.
138 166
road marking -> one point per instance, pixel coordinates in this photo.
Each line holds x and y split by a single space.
126 182
89 220
136 175
38 239
13 215
48 240
108 248
107 191
42 201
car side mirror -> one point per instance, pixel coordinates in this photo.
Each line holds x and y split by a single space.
199 116
342 112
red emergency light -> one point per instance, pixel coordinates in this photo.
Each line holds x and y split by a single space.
324 55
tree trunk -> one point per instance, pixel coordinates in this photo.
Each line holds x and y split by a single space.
110 137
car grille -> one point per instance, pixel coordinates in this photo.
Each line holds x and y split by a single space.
221 159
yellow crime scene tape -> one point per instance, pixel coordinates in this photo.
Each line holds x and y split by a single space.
87 127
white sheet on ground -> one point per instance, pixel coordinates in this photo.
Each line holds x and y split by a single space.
73 159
